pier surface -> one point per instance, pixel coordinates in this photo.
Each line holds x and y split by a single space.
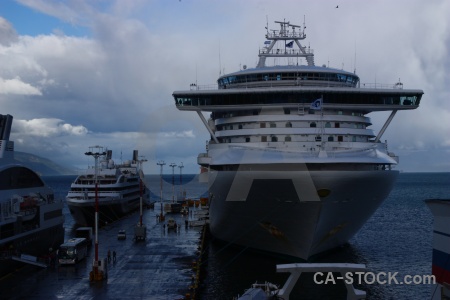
158 268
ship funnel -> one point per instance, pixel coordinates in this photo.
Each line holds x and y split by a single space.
6 147
135 155
108 155
5 126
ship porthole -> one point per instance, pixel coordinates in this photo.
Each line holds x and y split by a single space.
323 192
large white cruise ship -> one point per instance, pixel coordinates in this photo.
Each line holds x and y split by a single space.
294 168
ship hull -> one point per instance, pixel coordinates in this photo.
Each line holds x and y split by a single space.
281 212
109 210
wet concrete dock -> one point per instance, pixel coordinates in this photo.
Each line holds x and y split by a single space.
158 268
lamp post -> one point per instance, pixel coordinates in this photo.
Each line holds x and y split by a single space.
173 165
181 179
95 274
140 230
141 178
161 163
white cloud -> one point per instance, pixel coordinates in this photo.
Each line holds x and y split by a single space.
47 128
16 86
178 134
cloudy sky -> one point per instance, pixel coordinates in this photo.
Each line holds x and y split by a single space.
78 73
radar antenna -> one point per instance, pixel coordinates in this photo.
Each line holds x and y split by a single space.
288 34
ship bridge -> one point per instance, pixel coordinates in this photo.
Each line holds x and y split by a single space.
288 76
362 99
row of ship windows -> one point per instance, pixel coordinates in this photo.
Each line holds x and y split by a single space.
317 138
335 77
289 125
101 189
295 98
99 181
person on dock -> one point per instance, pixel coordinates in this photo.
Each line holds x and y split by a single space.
109 255
114 255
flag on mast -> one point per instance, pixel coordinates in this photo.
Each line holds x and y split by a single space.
316 104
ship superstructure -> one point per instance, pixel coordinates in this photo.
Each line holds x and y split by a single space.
293 166
31 219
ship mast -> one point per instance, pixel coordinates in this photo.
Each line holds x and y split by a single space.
288 34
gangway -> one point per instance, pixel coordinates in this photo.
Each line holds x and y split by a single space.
297 269
29 259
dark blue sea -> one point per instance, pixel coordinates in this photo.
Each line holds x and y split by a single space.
397 238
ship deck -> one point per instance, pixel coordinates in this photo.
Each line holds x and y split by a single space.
158 268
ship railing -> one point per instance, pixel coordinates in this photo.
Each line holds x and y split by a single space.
276 34
278 83
270 84
310 152
279 51
203 87
375 85
342 152
288 83
83 193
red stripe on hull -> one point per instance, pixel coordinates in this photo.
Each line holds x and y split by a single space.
441 274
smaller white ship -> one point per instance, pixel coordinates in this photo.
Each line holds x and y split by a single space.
31 220
118 189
